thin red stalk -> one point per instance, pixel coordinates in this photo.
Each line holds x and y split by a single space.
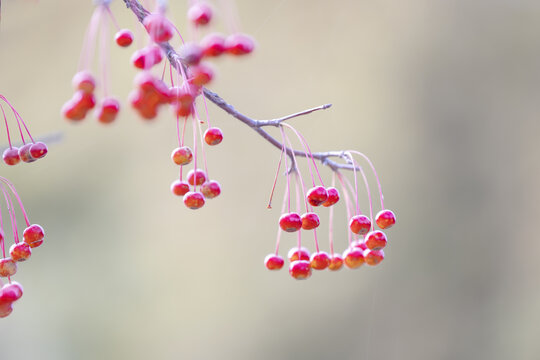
348 204
297 171
374 172
7 126
269 206
286 171
12 188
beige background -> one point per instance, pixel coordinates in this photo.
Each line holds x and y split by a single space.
442 95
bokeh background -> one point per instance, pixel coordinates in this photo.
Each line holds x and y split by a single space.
444 97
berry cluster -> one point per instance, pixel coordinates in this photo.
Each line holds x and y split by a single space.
32 237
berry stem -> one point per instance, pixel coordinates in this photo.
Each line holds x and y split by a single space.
11 212
278 239
367 189
269 206
7 126
331 222
202 141
298 174
374 172
348 203
287 172
113 19
206 110
12 188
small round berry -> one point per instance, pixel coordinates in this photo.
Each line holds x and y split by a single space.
273 262
11 292
8 267
194 200
333 196
84 81
353 258
336 262
319 260
33 233
84 101
20 251
290 222
182 155
191 53
317 195
124 37
310 221
159 28
147 57
360 224
6 308
179 187
36 244
201 74
11 156
108 110
196 176
376 240
239 44
38 150
300 269
373 257
211 189
359 244
295 254
213 136
385 219
24 153
200 13
213 45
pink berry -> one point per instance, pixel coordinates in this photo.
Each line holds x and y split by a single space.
196 176
359 244
333 196
319 260
373 257
182 155
385 219
8 267
290 222
84 81
11 156
194 200
317 195
273 262
211 189
124 37
310 221
147 57
353 258
191 53
108 110
213 45
213 136
360 224
11 292
6 308
239 44
179 188
159 28
336 262
300 269
20 251
376 240
200 13
201 74
38 150
296 254
33 233
24 153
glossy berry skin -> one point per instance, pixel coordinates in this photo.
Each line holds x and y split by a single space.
360 224
200 13
213 45
20 251
295 254
333 197
179 188
38 150
8 267
24 153
300 269
316 195
211 189
84 81
373 257
201 74
310 221
239 44
376 240
194 200
290 222
108 110
197 176
11 156
182 155
353 258
33 233
213 136
319 260
191 53
159 28
273 262
123 37
385 219
336 262
11 292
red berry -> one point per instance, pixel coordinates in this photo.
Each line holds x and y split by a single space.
36 244
200 13
300 269
310 221
295 254
24 153
319 260
38 150
124 37
273 262
33 233
194 200
211 189
179 187
8 267
71 111
11 292
373 257
84 101
6 309
11 156
20 251
190 53
333 196
147 57
359 244
317 195
290 222
353 258
376 240
385 219
184 94
201 74
196 176
360 224
159 28
239 44
182 155
213 136
108 110
213 45
336 262
84 81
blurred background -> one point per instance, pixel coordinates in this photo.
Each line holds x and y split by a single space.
443 96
